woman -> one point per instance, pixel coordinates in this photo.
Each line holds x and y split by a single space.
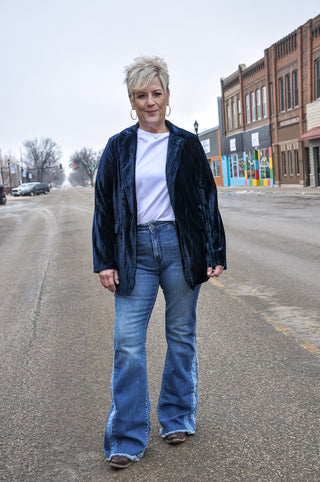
156 222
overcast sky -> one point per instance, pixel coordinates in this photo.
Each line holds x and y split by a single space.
62 61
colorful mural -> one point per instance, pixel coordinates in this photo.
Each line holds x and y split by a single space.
254 168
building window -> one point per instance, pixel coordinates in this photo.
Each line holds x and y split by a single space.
236 166
228 117
290 163
264 101
233 165
248 109
253 107
250 166
241 167
264 164
281 99
284 163
288 91
296 162
239 112
295 88
271 98
258 97
233 108
317 78
215 168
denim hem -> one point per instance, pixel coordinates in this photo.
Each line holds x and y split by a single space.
165 434
134 458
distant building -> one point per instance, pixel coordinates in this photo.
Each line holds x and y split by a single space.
210 141
270 114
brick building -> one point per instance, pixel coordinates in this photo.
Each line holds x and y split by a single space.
270 114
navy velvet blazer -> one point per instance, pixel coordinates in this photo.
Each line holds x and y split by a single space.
193 196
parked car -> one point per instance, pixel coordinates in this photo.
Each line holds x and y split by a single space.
3 197
16 191
31 188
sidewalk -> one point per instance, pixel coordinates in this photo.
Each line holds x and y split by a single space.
282 190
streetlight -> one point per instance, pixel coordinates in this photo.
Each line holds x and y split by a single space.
196 127
9 173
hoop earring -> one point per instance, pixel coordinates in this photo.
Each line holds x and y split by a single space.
167 115
133 118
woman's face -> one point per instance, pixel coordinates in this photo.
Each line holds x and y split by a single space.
150 104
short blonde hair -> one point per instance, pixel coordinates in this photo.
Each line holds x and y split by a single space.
142 71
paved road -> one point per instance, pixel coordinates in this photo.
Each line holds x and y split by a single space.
258 337
274 257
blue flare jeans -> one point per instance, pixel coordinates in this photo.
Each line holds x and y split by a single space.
128 425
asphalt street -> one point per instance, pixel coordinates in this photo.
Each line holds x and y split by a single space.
258 342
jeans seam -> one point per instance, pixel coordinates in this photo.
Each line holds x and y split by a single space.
110 428
147 398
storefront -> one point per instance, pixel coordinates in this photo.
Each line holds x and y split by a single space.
247 159
311 142
210 141
313 138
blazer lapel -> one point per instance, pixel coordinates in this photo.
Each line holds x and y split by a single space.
128 151
173 160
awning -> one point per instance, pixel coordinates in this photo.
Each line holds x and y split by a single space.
311 134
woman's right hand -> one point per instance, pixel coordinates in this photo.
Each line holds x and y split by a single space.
109 278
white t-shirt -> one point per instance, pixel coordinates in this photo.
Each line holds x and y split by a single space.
153 202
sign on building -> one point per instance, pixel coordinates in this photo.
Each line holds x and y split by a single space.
255 139
206 145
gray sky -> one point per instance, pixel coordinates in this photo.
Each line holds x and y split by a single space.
62 61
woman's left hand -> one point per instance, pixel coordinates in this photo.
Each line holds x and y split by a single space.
216 271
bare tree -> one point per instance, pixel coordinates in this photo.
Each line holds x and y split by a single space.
41 157
84 164
57 175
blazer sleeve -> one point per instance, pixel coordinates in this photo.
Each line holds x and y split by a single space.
208 209
103 236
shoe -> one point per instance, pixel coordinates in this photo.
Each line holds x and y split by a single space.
120 462
176 438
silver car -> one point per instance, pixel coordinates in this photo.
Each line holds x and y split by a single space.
31 188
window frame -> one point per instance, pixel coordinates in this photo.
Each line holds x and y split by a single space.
250 165
290 167
239 112
281 94
288 91
258 100
253 106
215 167
295 88
248 112
264 102
317 78
233 114
284 162
264 164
